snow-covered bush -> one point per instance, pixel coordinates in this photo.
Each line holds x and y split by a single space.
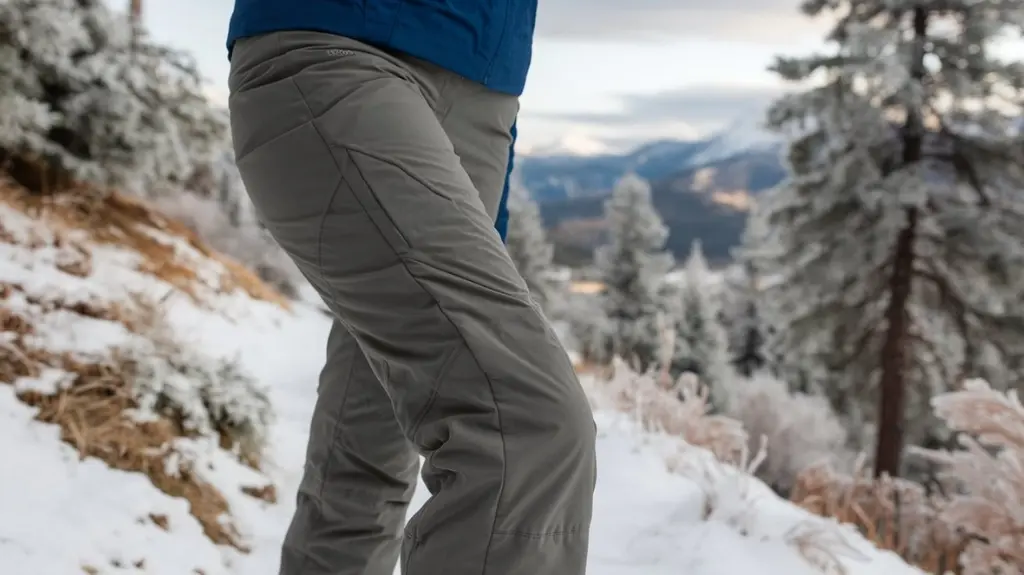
988 504
208 396
245 241
85 100
801 430
589 327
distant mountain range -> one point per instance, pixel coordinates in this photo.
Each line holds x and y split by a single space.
701 188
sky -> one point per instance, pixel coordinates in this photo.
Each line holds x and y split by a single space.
606 74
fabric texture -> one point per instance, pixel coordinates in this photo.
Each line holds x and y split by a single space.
381 175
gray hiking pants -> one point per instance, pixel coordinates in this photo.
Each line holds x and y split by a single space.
380 175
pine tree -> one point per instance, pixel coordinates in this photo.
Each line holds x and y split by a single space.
898 238
744 320
528 246
701 344
87 96
632 267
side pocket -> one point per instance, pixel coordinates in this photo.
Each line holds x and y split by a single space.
355 179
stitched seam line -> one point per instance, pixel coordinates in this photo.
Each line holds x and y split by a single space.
435 391
379 158
532 535
398 167
334 194
337 421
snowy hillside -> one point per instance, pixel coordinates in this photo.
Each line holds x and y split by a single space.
66 293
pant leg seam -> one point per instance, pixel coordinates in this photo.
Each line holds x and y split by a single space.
355 150
337 422
435 390
570 530
330 200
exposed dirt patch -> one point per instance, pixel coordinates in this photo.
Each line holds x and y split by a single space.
266 493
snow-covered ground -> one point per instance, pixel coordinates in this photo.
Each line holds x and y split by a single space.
62 515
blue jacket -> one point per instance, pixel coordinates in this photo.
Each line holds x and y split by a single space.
487 41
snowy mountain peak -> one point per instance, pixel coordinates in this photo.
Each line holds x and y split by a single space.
747 133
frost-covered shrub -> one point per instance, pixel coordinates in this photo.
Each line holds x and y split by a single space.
801 430
243 239
208 396
589 327
895 514
679 409
988 505
84 101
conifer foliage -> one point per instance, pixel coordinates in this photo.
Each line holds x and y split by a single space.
528 246
87 96
701 343
898 239
632 267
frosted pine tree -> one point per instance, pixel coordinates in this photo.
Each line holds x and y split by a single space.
632 267
528 246
898 240
87 96
744 320
701 343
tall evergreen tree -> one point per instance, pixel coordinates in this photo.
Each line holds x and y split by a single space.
528 246
898 240
744 320
632 267
701 344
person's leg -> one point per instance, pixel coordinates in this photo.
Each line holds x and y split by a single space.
352 173
360 474
361 470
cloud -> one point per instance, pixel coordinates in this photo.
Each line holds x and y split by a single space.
658 20
701 108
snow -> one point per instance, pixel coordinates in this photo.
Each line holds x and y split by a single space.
61 514
745 134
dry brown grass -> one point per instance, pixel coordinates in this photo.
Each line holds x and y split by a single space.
896 515
92 413
679 409
113 218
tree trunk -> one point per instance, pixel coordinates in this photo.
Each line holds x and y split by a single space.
889 448
893 381
135 19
